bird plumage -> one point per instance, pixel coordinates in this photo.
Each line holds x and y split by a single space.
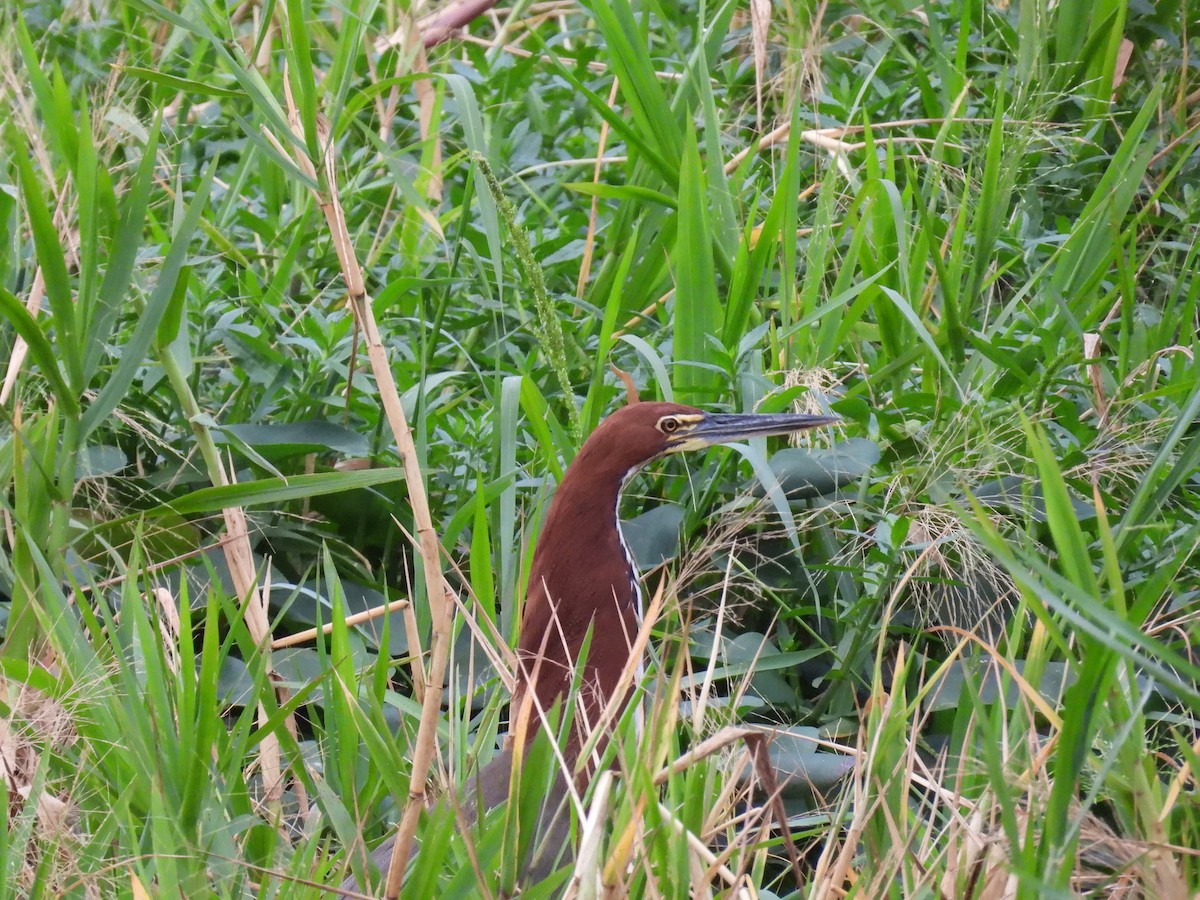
583 588
582 575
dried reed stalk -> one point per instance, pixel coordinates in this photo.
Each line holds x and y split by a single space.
440 597
365 616
589 245
17 359
240 559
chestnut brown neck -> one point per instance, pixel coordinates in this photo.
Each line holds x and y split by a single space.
582 580
581 583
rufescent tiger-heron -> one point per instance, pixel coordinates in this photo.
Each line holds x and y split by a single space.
583 586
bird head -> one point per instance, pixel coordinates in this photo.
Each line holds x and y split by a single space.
642 432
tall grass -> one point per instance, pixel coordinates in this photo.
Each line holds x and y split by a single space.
965 620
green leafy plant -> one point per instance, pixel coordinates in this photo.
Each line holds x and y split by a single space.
241 244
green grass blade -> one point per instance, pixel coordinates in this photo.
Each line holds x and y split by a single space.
134 352
697 311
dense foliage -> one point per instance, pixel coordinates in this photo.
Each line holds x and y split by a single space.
971 230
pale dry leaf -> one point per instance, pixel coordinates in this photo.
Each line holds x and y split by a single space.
760 22
137 889
168 623
1091 353
1124 54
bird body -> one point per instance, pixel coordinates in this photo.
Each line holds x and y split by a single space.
583 587
582 580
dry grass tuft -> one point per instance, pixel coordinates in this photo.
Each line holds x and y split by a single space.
954 579
36 725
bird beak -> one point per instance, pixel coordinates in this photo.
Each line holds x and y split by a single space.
724 428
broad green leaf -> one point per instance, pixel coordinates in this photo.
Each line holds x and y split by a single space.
805 473
282 439
802 767
653 537
275 490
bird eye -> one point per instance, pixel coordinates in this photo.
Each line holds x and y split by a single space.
668 425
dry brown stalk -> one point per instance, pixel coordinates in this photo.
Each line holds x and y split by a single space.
240 560
589 244
834 865
439 595
621 851
700 704
413 59
439 25
756 740
766 774
147 568
1091 353
32 724
824 138
587 879
365 616
1175 142
1027 690
644 314
168 624
1181 779
760 24
20 348
726 737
